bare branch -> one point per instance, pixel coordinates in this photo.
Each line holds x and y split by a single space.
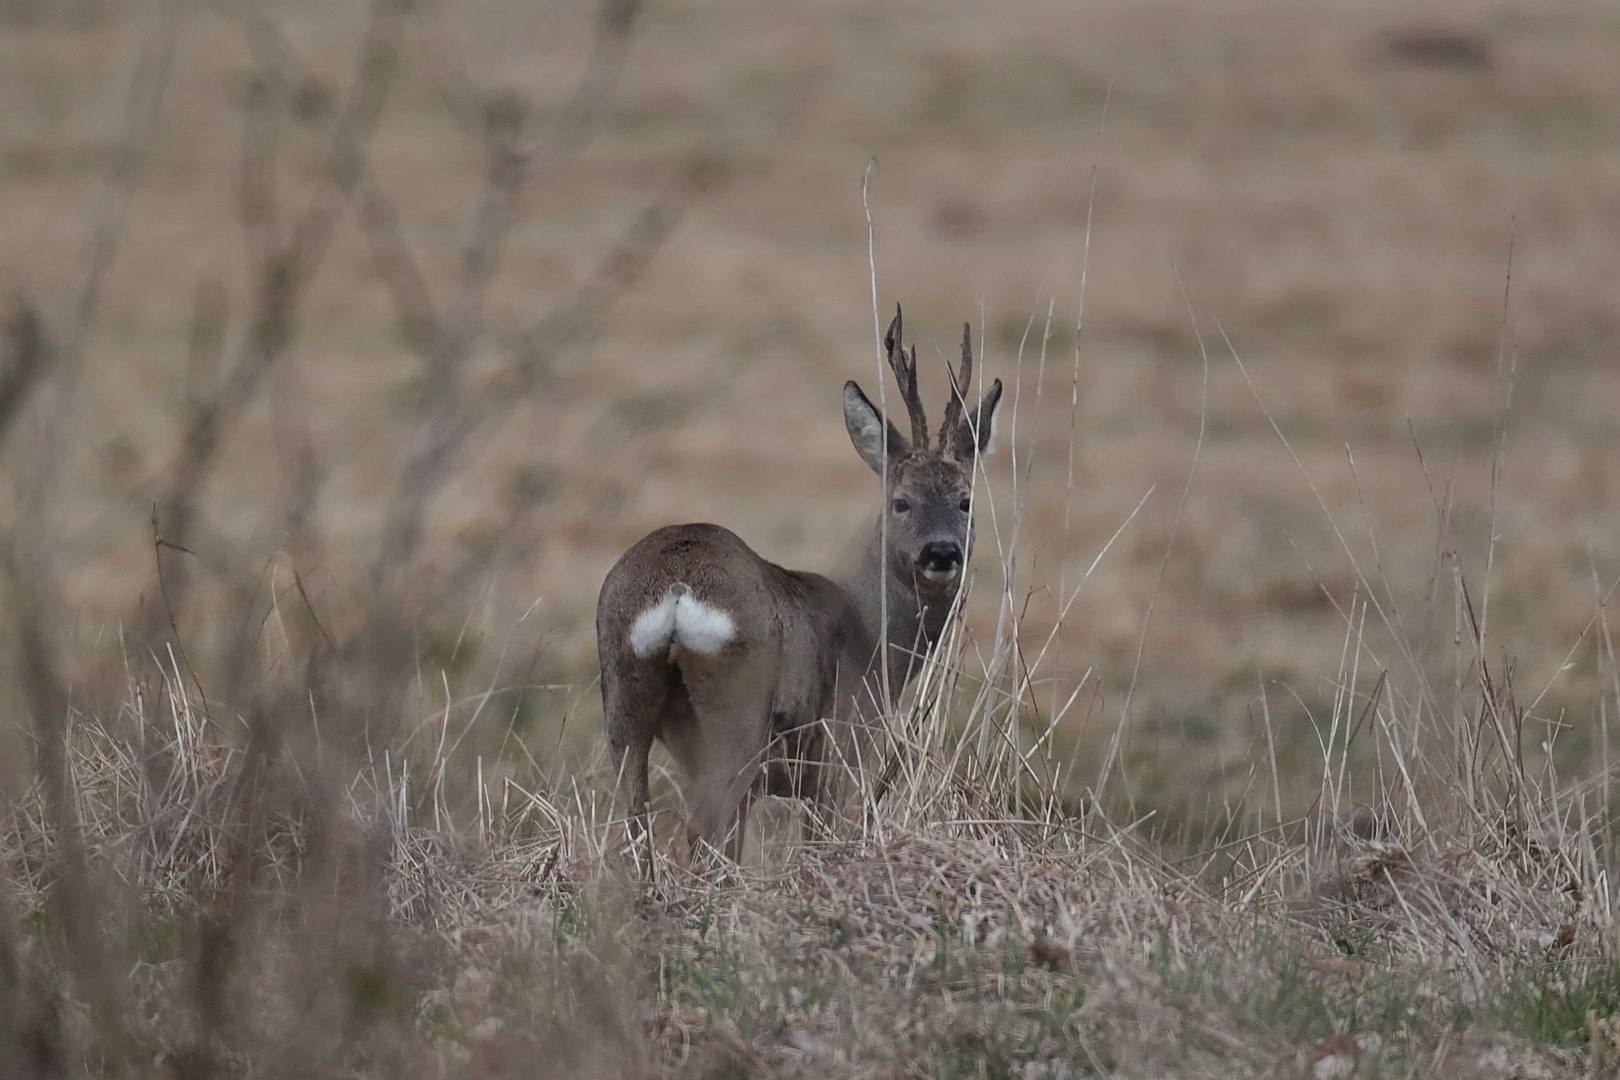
581 118
396 265
144 106
300 461
175 511
579 315
281 265
443 430
353 128
509 163
350 128
23 362
30 561
348 135
72 893
447 65
256 193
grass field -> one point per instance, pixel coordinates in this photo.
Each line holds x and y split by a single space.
348 345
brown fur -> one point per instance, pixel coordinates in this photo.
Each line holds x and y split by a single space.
801 657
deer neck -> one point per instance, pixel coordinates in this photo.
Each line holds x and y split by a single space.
913 624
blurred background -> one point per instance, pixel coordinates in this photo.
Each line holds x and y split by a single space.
445 305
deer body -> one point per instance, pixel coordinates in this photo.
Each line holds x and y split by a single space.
735 663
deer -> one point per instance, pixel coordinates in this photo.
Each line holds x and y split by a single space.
741 667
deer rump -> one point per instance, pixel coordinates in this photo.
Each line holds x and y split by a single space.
737 665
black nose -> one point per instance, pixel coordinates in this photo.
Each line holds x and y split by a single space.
940 556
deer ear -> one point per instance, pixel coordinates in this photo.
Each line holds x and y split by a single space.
977 431
866 430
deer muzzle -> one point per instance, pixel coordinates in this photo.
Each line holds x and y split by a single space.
940 560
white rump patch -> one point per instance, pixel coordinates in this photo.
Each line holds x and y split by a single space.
701 627
681 619
655 627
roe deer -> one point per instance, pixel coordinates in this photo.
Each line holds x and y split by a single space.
724 656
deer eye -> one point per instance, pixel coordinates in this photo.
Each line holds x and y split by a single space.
900 506
966 504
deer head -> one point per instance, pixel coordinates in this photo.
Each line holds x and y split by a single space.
929 523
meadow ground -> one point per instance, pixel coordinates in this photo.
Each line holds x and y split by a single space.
349 344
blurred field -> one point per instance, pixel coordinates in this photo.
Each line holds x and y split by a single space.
1336 186
345 345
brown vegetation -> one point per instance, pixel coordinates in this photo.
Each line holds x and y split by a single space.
347 344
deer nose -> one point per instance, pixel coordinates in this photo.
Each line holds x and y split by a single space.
940 559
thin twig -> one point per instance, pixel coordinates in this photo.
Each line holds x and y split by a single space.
1164 566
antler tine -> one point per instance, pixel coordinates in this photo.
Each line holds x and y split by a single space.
960 385
905 374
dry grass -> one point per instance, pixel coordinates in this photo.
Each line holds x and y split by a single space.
351 344
421 909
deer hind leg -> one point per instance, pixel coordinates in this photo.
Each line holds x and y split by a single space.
796 769
633 704
722 756
720 813
722 770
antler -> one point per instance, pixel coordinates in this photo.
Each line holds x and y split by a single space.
905 374
959 388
